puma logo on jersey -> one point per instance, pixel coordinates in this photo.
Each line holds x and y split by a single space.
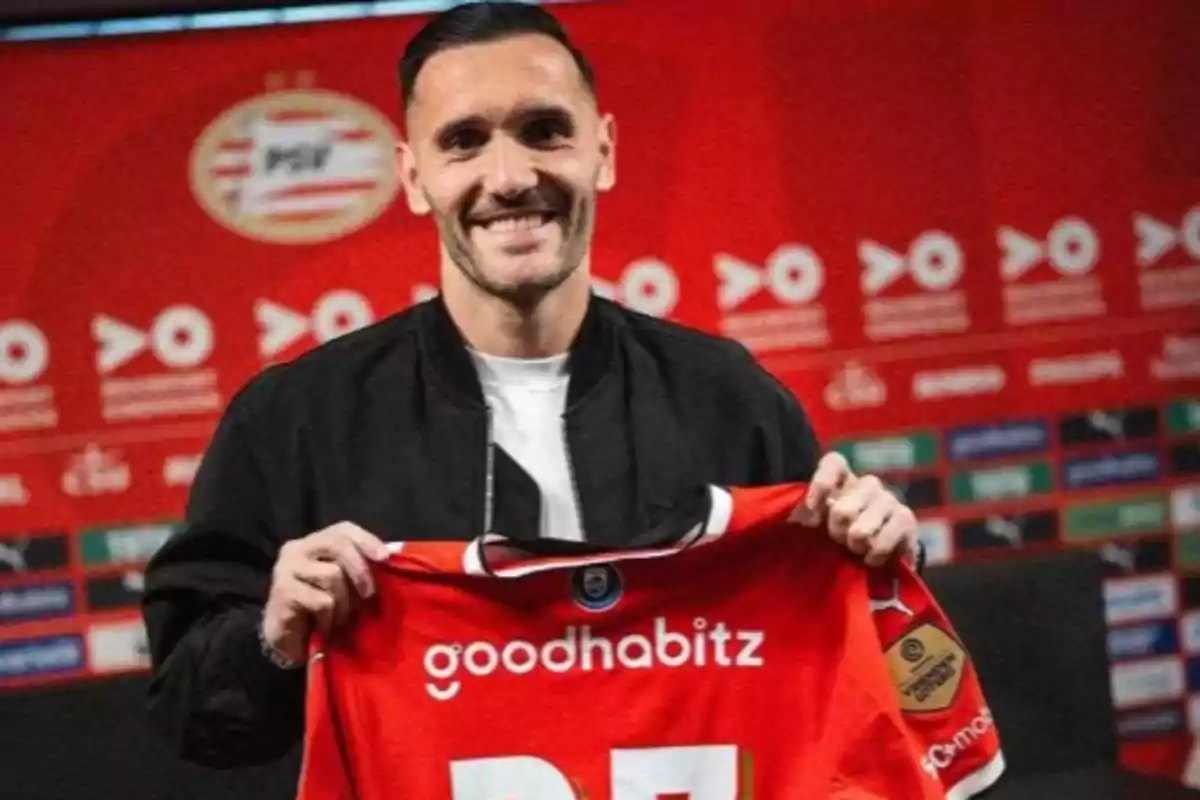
891 602
705 645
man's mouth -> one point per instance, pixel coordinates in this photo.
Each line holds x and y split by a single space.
523 221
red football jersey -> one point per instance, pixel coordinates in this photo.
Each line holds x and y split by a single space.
732 654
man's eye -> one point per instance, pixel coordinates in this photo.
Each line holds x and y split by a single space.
545 131
466 140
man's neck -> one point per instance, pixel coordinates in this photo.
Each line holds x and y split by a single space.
494 327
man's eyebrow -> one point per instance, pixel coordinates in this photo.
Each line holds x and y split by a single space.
444 134
521 114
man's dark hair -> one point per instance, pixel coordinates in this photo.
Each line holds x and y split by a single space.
479 22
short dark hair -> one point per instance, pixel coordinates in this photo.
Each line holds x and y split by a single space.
478 22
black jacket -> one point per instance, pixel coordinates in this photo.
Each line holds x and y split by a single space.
387 428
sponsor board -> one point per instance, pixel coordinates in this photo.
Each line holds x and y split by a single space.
1142 641
938 540
1189 591
1185 509
1150 722
37 601
1185 458
1012 531
1189 633
1187 551
972 381
1183 417
917 492
124 544
1145 513
119 646
50 655
180 470
1103 426
110 592
34 553
992 484
1141 598
1131 557
997 440
1077 369
1110 469
882 454
1193 713
1150 681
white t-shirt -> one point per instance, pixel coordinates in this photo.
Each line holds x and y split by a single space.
528 397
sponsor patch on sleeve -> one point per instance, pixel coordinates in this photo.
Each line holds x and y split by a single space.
927 667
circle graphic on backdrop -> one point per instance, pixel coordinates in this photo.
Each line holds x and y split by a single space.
296 167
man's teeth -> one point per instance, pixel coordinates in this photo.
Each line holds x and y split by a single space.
506 224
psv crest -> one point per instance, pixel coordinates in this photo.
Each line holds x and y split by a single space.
295 166
596 587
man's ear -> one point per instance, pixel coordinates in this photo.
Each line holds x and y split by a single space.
607 178
406 168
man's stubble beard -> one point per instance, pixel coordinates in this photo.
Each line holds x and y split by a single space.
524 296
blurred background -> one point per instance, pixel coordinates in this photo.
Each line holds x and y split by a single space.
966 234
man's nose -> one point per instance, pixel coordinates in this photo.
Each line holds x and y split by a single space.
510 168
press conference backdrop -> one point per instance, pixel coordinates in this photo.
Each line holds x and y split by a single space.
966 234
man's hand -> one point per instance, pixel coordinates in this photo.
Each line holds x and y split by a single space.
863 514
315 583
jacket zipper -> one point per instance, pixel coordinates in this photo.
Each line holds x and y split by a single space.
489 478
571 476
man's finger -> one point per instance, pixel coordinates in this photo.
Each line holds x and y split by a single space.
345 553
832 476
367 543
850 504
864 529
329 578
309 601
891 539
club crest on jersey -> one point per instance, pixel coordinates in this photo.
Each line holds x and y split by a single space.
596 587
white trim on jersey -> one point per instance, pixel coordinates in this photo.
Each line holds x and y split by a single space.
979 780
720 514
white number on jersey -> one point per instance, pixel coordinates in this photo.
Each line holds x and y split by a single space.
702 773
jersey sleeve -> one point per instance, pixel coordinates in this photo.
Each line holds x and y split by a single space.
324 770
942 705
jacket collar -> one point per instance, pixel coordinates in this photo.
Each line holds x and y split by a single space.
591 353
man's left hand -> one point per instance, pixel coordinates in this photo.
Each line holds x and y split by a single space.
863 514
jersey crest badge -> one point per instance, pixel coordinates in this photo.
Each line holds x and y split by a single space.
596 587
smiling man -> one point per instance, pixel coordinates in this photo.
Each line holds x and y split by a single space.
516 401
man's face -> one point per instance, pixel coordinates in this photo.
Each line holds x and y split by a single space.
506 149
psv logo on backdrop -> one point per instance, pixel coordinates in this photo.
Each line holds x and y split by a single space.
1168 256
334 314
792 276
296 167
935 264
180 338
24 359
1071 250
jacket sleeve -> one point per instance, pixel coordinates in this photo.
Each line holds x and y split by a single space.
214 696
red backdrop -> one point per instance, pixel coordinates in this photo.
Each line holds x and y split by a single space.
967 235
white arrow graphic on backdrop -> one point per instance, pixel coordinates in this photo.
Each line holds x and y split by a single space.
118 342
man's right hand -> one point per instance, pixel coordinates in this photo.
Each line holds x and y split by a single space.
316 583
